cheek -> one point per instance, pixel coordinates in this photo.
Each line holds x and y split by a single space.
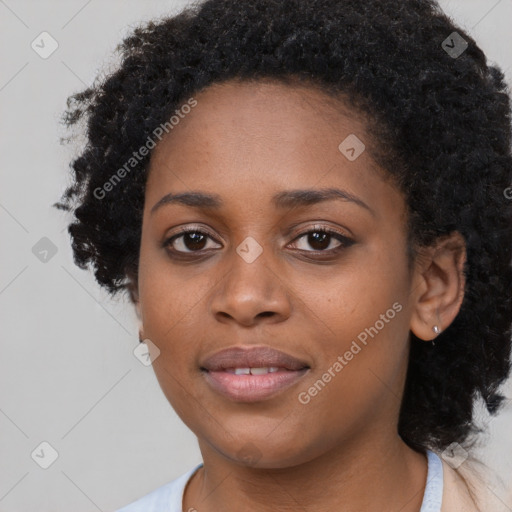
168 305
360 371
362 322
365 292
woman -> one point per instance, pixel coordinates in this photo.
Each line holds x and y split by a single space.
306 203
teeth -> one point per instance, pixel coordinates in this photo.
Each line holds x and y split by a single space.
259 371
253 371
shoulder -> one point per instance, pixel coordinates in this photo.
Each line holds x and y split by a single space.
167 498
472 488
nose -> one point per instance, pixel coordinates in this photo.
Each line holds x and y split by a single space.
251 292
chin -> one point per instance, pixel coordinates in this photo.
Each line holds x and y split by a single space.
261 453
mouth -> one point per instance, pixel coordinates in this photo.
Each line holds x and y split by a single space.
252 374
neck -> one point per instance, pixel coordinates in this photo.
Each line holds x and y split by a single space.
379 475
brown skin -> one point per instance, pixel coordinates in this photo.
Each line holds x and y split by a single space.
246 142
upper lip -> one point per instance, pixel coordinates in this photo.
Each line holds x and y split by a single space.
252 357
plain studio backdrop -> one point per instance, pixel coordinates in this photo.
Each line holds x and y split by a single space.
73 395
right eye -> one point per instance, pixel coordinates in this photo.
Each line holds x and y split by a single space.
189 240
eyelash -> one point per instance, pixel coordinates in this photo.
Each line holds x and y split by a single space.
344 240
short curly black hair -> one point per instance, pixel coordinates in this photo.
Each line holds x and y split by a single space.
441 129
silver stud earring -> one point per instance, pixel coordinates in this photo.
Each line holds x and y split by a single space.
437 331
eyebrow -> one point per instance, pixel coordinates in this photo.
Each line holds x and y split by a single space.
283 200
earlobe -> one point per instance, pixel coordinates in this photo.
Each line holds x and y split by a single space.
133 291
138 312
134 297
439 286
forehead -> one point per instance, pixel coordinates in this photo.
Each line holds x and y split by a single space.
249 140
267 105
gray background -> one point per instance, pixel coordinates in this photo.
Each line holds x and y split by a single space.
68 375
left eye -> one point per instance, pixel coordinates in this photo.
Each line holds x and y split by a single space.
320 240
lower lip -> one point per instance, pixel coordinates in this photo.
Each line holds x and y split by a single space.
252 388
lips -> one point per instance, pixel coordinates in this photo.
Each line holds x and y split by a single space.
253 357
252 374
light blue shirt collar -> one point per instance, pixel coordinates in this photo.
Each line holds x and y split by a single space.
169 497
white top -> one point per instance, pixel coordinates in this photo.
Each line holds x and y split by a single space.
169 497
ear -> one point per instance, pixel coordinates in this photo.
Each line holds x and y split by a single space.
133 291
438 285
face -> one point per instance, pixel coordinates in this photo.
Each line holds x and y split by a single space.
323 279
